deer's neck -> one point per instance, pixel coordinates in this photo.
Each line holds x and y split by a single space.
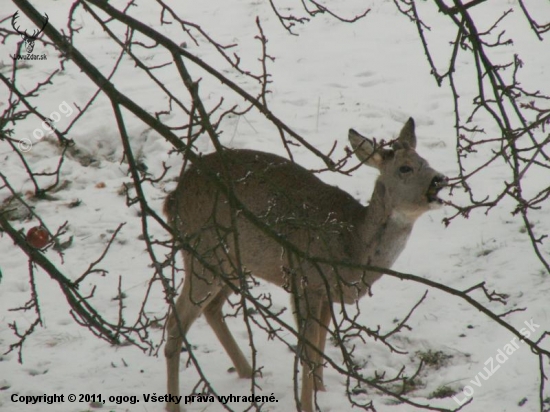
383 230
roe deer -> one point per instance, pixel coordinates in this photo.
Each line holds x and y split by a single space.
317 219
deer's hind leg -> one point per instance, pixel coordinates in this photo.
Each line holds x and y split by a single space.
214 316
200 289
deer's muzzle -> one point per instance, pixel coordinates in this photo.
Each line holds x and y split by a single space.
437 183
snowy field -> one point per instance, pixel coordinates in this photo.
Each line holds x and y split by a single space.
371 76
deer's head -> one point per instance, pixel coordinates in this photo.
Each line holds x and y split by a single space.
406 180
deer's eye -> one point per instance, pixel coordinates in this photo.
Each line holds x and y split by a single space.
405 169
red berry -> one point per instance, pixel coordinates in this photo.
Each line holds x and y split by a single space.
38 237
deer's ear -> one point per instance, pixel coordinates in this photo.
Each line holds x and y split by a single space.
407 134
365 150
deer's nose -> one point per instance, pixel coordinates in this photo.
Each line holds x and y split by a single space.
439 180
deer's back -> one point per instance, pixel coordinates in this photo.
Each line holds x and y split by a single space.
314 216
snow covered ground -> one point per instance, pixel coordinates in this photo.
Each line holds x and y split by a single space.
371 75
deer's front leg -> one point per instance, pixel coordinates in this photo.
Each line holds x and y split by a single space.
309 318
